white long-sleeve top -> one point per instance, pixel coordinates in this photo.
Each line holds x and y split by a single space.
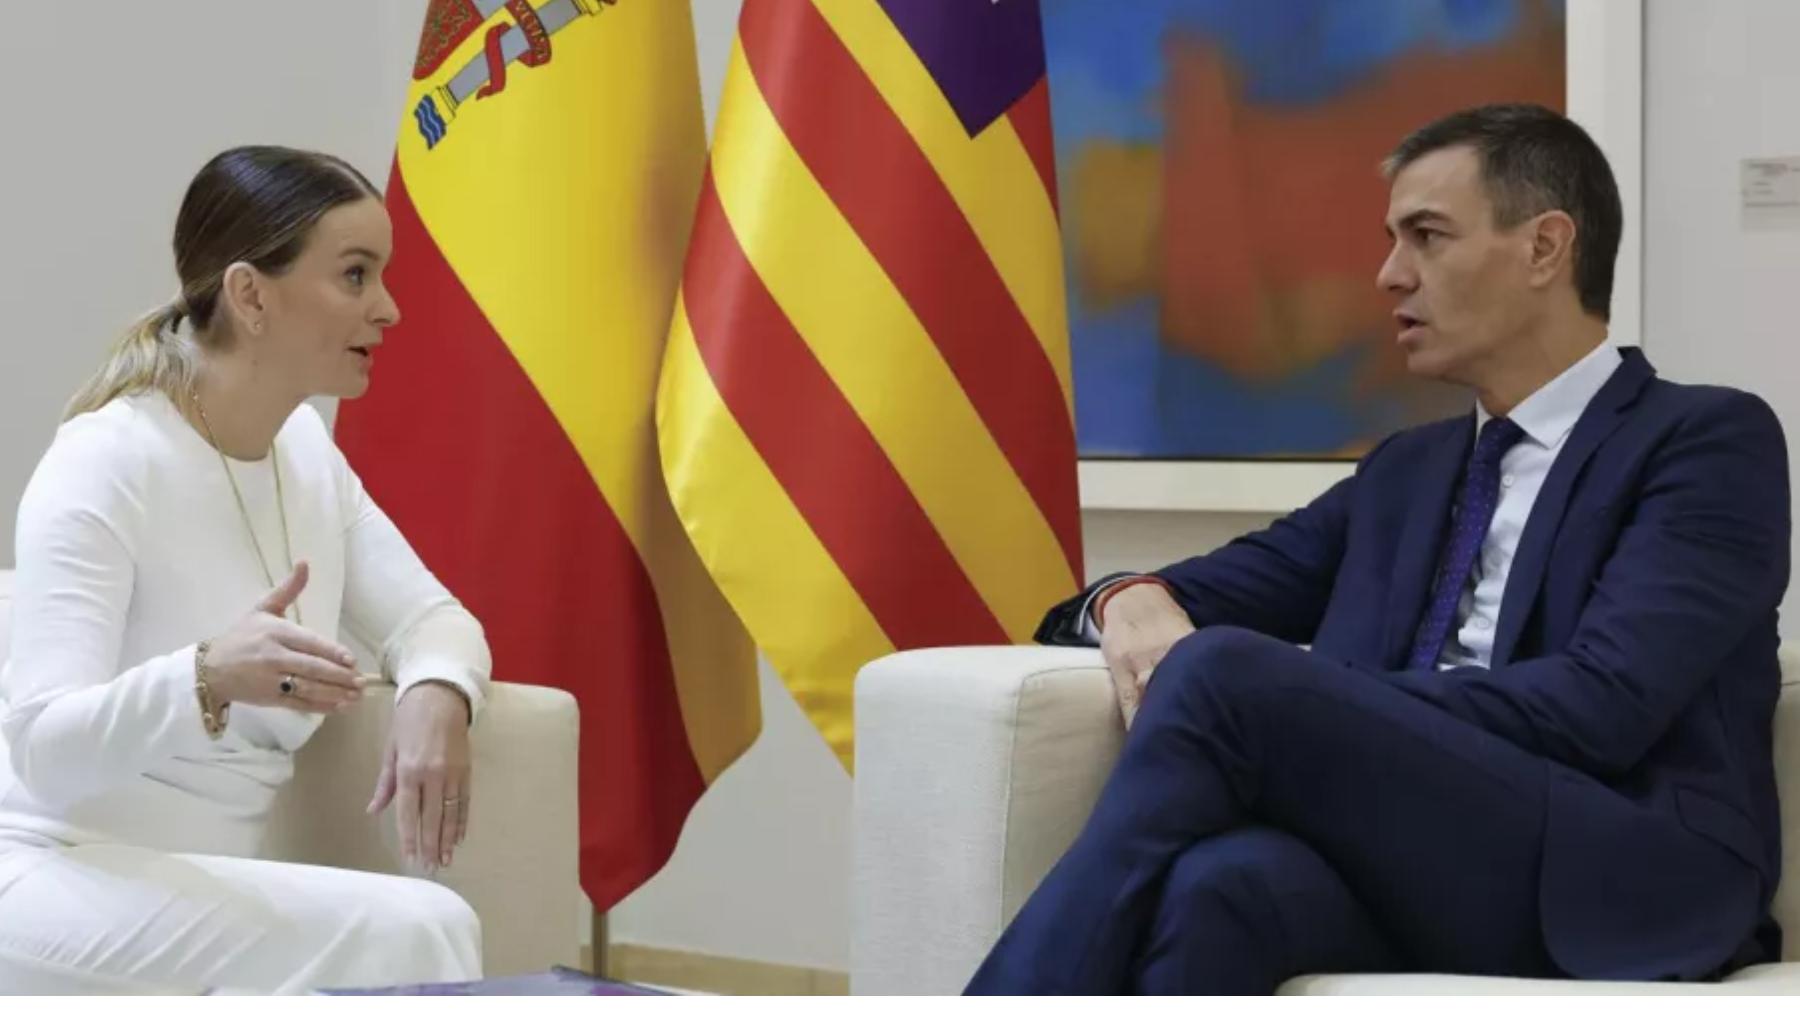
130 550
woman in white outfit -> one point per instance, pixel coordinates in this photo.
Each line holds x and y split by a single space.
186 552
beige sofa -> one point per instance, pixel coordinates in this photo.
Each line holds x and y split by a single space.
517 868
976 766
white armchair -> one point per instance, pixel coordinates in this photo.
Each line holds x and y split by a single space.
517 868
976 767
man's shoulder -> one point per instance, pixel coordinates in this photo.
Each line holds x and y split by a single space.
1662 404
1431 433
1405 446
1678 403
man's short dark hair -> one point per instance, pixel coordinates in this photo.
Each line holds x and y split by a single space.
1535 160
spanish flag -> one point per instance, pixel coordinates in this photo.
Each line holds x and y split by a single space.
542 193
865 414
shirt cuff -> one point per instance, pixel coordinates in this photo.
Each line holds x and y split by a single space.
450 675
1089 630
180 680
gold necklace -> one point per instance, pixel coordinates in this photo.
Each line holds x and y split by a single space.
243 511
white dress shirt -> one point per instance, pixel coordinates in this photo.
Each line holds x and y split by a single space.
1547 417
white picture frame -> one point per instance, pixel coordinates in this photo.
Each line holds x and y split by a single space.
1605 78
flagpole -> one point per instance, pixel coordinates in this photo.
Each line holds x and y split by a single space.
598 949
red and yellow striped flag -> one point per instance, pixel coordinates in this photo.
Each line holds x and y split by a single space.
865 405
542 194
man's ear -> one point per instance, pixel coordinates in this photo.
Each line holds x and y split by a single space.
1552 238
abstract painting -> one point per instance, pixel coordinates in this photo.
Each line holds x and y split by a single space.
1222 208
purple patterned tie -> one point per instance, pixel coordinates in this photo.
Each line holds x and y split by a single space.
1475 504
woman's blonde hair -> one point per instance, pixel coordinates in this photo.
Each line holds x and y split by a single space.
254 205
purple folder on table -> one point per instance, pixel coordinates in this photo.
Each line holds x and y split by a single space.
556 981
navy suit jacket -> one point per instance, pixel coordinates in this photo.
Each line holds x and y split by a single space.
1636 645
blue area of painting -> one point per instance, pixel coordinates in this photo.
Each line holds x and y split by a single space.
1288 51
1137 397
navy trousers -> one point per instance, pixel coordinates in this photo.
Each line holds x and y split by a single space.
1277 813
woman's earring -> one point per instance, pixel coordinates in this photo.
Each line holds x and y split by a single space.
257 327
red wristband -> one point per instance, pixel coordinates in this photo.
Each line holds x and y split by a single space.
1099 608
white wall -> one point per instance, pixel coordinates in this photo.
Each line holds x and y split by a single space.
1721 302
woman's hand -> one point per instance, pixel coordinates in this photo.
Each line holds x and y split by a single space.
425 773
266 660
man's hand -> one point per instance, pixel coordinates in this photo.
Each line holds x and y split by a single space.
1139 625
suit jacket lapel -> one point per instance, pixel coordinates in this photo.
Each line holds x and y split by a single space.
1421 539
1526 576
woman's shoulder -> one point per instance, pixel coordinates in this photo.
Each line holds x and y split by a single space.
98 462
120 432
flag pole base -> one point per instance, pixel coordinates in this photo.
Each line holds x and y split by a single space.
599 946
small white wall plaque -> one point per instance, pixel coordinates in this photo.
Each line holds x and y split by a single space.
1770 192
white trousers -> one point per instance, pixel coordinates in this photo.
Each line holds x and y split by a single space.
115 918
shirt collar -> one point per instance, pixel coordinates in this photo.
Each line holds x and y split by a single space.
1553 409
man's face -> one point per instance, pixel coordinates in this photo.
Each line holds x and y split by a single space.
1460 285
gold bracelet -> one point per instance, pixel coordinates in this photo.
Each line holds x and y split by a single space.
212 718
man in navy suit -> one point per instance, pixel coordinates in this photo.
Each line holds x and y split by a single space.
1532 734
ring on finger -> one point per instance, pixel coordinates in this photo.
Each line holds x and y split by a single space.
289 685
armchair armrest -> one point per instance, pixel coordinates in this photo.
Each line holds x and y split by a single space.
975 769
